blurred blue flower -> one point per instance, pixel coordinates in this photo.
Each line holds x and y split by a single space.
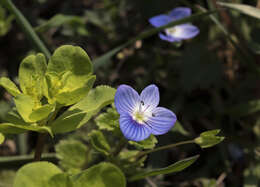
139 114
176 33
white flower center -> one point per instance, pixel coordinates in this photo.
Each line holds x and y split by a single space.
173 31
142 113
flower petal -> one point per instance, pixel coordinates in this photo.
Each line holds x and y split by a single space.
160 20
168 38
185 31
126 99
150 97
162 121
180 12
133 130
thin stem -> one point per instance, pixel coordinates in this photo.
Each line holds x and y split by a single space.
26 26
39 146
122 143
163 147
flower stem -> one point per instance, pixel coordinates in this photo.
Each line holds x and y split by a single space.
39 146
163 147
26 26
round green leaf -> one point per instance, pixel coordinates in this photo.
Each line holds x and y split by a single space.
60 180
36 174
70 58
101 175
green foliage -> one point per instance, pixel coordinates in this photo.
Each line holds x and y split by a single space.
69 75
252 175
245 9
108 120
5 22
208 139
99 142
60 180
178 128
176 167
42 172
72 155
31 75
74 22
66 80
148 143
101 175
2 138
78 114
9 86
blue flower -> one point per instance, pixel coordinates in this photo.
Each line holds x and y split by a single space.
176 33
139 115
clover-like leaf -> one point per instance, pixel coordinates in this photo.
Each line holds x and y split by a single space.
148 143
78 114
2 138
42 173
100 175
72 155
9 86
208 139
31 75
176 167
99 142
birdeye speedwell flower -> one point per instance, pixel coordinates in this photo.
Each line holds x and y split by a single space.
139 115
176 33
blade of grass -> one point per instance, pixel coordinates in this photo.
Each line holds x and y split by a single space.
26 26
100 61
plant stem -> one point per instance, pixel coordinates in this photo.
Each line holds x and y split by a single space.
122 143
39 146
162 148
26 26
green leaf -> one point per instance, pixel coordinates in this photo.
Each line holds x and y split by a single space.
99 142
244 9
42 112
9 86
78 114
148 143
70 97
108 120
101 175
57 21
176 167
70 58
178 128
69 75
72 155
60 180
2 138
25 105
31 75
104 59
36 174
208 139
9 128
